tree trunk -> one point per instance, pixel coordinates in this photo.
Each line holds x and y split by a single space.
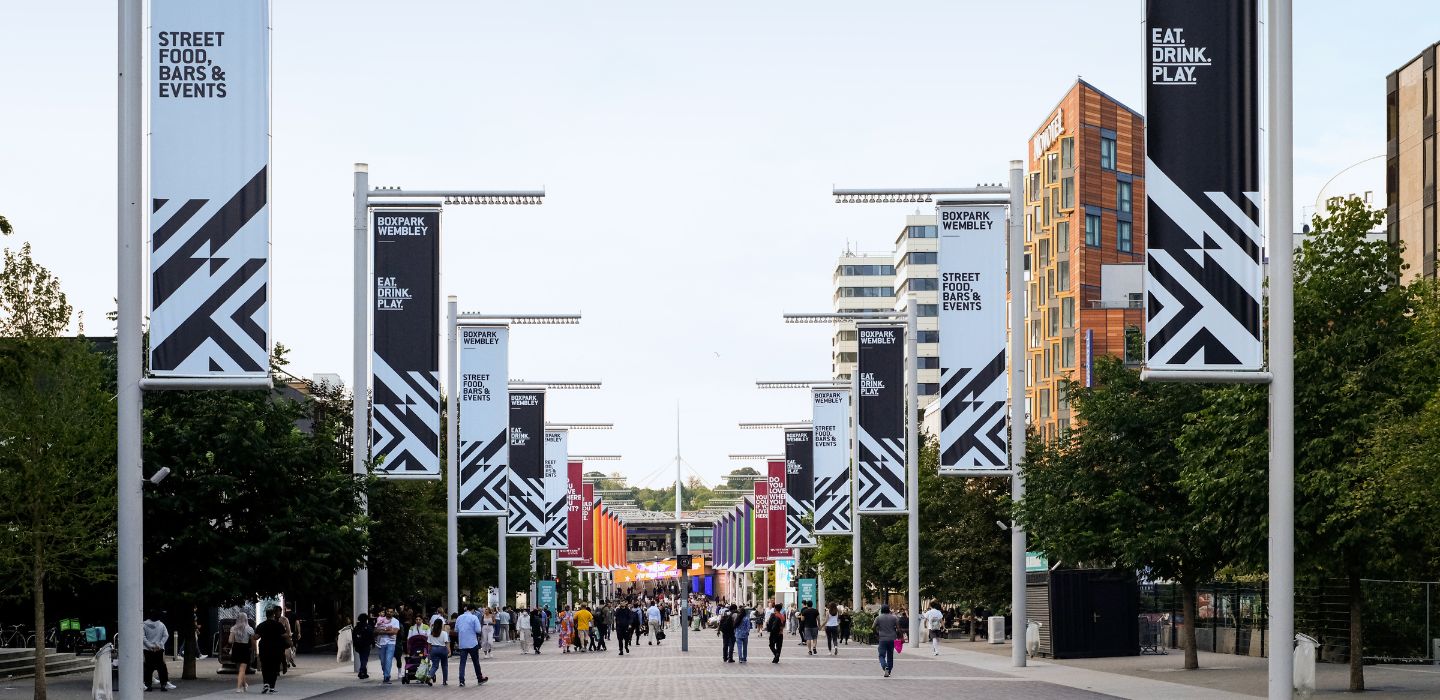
1357 637
38 594
1187 628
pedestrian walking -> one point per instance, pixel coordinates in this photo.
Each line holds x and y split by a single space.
155 635
832 629
605 620
440 651
624 620
934 621
537 628
846 625
583 619
288 659
567 630
887 631
362 639
657 623
502 625
809 627
467 637
242 641
273 639
487 633
727 638
775 627
742 634
386 629
641 621
522 630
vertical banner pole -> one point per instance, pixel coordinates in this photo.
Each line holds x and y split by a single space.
856 589
1017 407
534 575
130 507
360 384
1282 350
500 548
912 462
452 455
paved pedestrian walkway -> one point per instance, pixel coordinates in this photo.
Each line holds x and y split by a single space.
962 669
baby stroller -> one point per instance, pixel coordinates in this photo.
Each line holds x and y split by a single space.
417 661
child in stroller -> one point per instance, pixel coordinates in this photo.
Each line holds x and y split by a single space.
417 661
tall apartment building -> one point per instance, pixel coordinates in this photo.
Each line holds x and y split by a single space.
917 270
1411 103
880 282
1085 243
863 282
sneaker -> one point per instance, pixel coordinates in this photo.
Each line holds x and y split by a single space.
887 673
239 690
168 686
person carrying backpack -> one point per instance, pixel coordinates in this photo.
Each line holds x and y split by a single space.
775 627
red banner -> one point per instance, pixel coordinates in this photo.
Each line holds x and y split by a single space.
778 550
587 524
572 552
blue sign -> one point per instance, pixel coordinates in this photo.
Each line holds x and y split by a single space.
807 590
547 595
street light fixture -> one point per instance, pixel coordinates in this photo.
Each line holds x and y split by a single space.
364 198
773 425
1011 196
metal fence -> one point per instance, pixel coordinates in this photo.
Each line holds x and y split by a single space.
1400 618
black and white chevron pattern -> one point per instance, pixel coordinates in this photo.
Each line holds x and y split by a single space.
405 434
881 475
556 533
832 505
797 532
1203 285
209 283
527 507
483 481
972 417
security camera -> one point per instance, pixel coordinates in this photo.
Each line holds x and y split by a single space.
1001 524
465 551
159 476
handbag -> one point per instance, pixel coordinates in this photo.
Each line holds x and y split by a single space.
899 645
659 635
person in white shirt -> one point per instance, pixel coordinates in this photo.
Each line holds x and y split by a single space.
386 627
522 628
155 637
935 624
439 651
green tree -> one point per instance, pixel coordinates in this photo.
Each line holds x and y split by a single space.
57 445
260 500
1110 492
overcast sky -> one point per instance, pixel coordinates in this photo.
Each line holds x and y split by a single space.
687 153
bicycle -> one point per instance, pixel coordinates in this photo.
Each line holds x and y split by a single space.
12 636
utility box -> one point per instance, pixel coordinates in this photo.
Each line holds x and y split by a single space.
1084 613
997 629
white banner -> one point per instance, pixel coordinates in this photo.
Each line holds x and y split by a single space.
557 454
209 188
484 419
831 448
973 389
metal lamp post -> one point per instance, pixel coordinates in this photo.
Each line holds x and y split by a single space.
1013 196
364 197
856 588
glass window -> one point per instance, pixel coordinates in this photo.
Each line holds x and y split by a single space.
927 336
1067 351
1067 193
928 389
870 270
922 258
1034 184
927 310
1122 197
1043 247
867 292
927 363
1044 403
1062 236
1062 397
1107 152
1134 345
1035 333
1428 163
847 335
922 284
1052 168
1124 237
1067 312
1092 229
923 231
1067 153
845 357
1048 210
1062 280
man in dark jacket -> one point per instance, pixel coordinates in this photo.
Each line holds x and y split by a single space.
624 620
727 637
362 638
775 626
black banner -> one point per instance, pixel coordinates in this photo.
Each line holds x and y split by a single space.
405 411
527 464
1202 179
799 489
881 460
